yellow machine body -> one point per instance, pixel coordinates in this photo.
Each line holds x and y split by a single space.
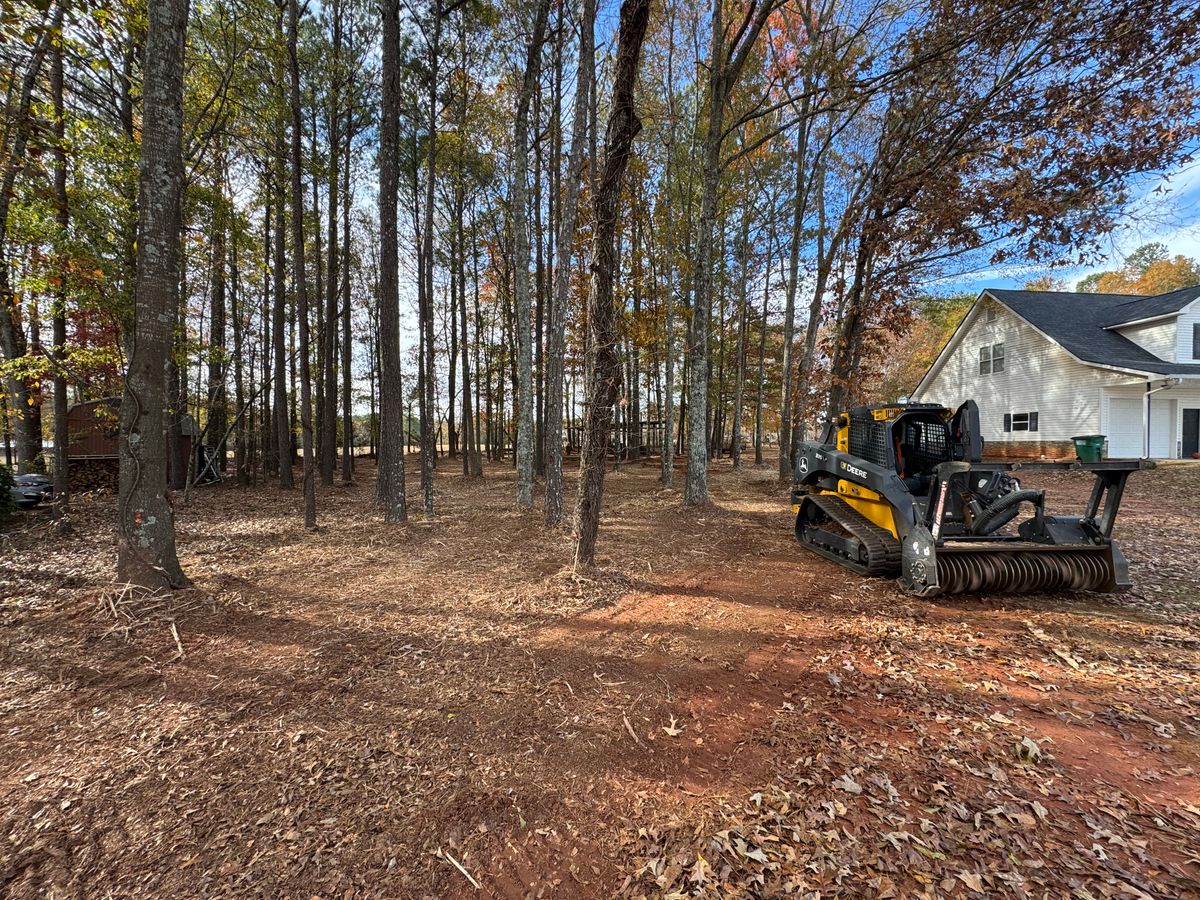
868 502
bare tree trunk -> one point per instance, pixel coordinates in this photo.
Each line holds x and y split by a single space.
427 371
217 355
241 466
270 436
299 275
525 423
725 65
347 337
283 418
390 484
329 345
789 308
696 483
568 214
23 402
735 449
604 370
145 520
762 351
63 215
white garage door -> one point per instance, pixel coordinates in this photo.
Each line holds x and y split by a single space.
1125 427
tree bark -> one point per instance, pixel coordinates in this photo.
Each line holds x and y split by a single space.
392 427
62 497
725 66
347 336
241 461
567 217
299 276
217 355
332 286
23 401
604 370
427 371
146 522
525 412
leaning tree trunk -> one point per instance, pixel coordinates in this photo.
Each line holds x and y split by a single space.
568 214
299 276
146 522
604 368
23 403
520 189
392 427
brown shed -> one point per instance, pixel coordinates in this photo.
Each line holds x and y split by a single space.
93 437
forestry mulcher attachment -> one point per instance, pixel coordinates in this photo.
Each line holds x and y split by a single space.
901 491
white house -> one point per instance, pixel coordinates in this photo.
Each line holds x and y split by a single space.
1045 366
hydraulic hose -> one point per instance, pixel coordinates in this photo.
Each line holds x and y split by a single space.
990 519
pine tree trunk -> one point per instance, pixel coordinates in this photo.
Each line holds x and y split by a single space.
217 355
23 400
146 525
300 276
604 370
63 216
347 336
392 427
525 411
282 412
241 462
270 437
330 343
427 371
568 215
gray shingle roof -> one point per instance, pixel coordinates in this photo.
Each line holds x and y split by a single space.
1078 323
1135 309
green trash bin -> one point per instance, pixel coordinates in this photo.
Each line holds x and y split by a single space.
1089 447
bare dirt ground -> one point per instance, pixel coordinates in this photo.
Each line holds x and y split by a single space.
372 711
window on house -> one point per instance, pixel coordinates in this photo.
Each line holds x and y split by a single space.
989 313
1196 340
1025 421
991 359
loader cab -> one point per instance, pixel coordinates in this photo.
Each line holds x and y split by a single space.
912 440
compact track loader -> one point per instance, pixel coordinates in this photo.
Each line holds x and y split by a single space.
902 491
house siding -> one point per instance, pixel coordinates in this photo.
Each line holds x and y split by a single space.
1166 419
1189 317
1159 338
1039 376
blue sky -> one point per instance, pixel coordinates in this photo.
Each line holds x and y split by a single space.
1166 209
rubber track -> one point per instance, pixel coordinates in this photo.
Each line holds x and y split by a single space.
883 550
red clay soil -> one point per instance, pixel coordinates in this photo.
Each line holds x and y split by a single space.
374 711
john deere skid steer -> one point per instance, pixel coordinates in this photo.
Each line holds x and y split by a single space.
902 491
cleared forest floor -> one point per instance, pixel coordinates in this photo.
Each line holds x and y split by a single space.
370 711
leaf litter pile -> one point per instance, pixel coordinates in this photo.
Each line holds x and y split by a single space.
446 710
